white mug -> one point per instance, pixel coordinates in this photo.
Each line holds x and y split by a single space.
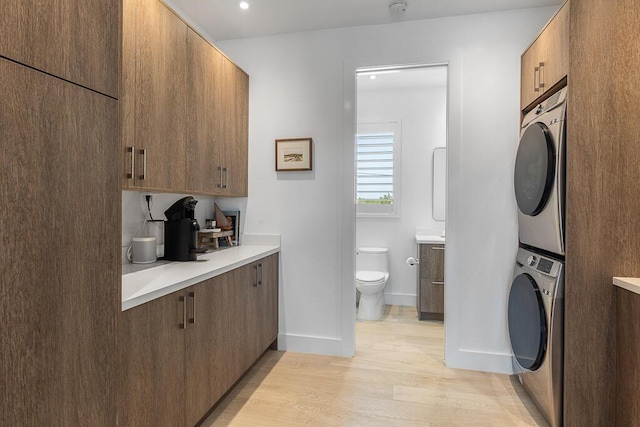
142 250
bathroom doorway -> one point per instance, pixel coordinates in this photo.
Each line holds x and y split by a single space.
401 125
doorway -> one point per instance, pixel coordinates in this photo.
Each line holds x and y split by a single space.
401 120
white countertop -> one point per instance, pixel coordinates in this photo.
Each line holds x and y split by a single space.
429 238
147 285
629 283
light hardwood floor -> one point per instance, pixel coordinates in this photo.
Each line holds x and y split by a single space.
397 378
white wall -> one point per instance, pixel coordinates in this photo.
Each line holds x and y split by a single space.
303 85
134 211
422 111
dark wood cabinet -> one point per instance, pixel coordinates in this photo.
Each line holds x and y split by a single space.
78 41
430 283
207 346
151 363
185 107
60 289
155 77
180 353
234 139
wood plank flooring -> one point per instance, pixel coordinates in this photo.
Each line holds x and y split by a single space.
397 378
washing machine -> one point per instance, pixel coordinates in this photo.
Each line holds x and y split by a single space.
536 329
539 175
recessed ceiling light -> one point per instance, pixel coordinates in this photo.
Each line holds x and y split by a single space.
372 77
243 5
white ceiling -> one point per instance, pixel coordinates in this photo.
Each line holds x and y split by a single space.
224 20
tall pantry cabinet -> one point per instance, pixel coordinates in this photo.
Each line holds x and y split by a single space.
60 212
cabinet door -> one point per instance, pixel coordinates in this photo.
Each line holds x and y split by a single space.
204 113
160 100
235 136
432 279
77 40
151 369
267 301
530 88
555 46
60 290
207 346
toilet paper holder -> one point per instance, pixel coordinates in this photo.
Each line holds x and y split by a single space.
411 261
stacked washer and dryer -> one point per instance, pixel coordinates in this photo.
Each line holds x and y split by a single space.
536 297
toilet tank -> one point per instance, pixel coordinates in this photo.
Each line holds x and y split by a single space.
372 259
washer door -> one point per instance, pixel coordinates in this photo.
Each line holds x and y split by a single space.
527 322
535 169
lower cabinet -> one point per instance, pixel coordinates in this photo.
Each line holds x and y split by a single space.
430 284
181 353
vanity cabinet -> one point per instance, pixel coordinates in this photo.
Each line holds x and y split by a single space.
75 40
60 293
430 283
184 110
546 62
181 353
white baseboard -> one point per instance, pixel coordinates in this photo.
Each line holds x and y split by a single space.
408 300
308 344
474 360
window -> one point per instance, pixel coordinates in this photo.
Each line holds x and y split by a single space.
377 169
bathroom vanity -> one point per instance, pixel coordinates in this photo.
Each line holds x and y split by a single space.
430 279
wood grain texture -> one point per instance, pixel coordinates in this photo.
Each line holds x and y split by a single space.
550 54
204 114
160 96
59 264
76 40
396 378
207 351
128 91
603 198
267 304
431 295
152 364
628 349
235 137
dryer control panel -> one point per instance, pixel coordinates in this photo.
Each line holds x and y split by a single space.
538 262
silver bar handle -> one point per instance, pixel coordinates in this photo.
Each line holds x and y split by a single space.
219 185
192 295
132 172
437 248
260 275
183 300
224 185
144 163
437 283
540 75
536 73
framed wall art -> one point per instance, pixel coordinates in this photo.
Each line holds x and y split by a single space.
294 154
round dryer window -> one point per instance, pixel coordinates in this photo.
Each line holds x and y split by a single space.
535 169
527 322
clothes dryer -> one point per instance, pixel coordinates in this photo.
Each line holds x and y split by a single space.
536 329
539 176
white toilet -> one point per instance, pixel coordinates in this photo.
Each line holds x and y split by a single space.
372 273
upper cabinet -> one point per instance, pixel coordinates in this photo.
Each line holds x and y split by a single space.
185 107
546 62
70 39
155 83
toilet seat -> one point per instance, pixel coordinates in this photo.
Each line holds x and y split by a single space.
371 277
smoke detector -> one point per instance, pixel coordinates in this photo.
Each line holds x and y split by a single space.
397 6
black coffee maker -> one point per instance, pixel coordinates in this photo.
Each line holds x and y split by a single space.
181 231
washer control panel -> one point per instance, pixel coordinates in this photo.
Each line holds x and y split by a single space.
540 263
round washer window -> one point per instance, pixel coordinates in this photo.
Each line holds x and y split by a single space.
527 324
535 169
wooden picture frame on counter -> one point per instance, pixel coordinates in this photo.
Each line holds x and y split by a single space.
294 154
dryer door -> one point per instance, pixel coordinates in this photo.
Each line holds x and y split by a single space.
527 322
535 169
